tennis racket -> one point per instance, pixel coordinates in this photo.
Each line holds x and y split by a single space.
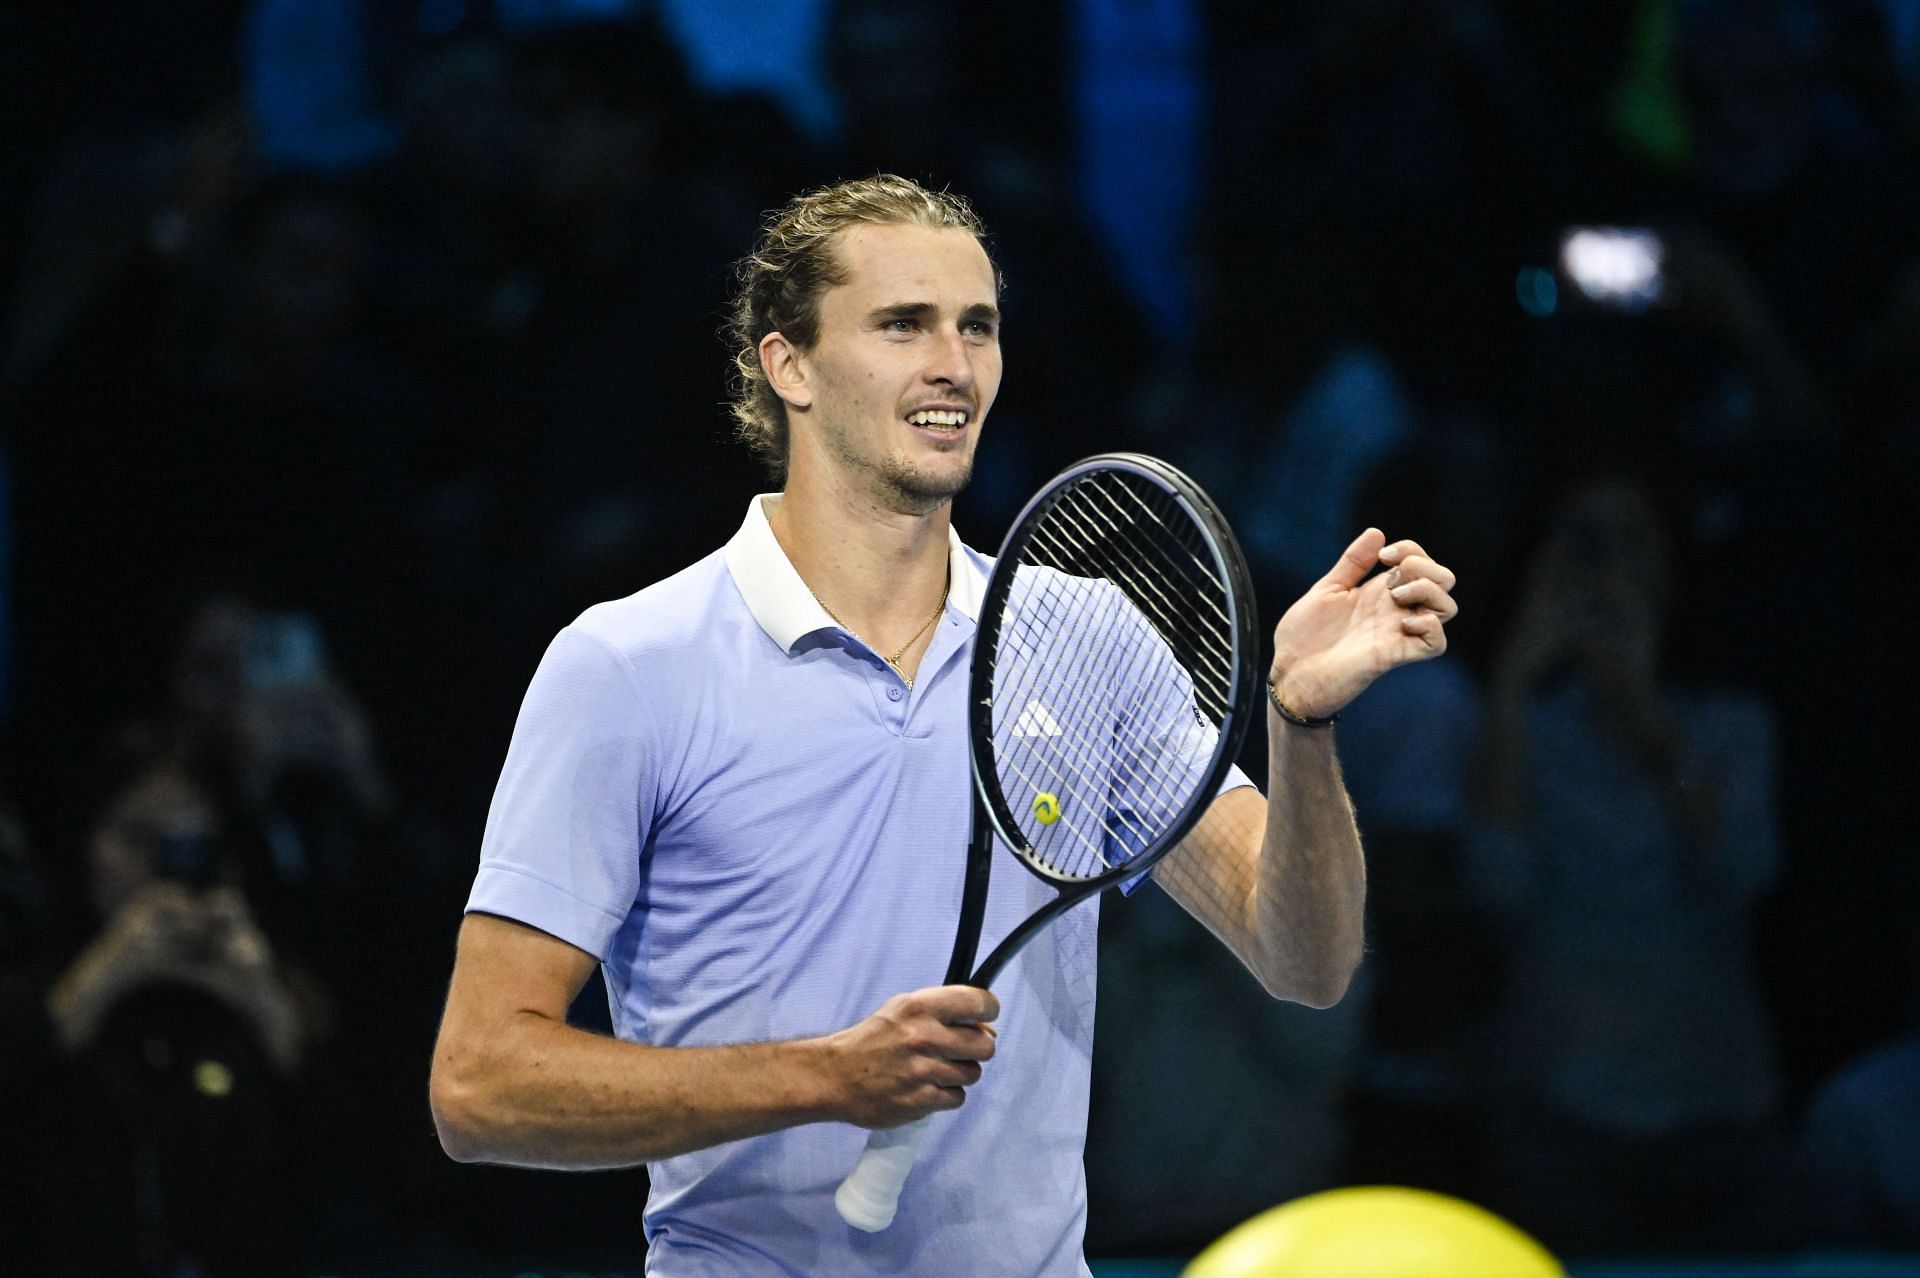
1113 678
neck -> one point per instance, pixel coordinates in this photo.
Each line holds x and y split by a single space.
878 568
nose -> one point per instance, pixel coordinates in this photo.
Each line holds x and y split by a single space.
950 361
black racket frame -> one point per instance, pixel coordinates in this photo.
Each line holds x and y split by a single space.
990 802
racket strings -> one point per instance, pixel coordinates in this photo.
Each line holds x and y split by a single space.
1204 649
1208 636
1079 708
1093 782
1184 537
1115 594
1204 645
1121 758
1202 701
1087 562
1088 548
1171 619
1084 707
1201 585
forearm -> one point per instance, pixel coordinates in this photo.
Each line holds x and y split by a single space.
539 1093
1289 894
1310 889
1280 881
513 1083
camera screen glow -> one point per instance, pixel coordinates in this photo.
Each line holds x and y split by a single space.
1608 265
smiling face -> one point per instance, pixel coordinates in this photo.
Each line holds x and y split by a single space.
891 396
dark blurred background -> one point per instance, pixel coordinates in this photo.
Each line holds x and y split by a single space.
350 349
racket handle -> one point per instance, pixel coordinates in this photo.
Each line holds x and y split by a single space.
869 1195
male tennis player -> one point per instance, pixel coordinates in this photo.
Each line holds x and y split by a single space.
743 792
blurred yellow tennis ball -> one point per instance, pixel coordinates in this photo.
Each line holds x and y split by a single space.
1046 806
1375 1232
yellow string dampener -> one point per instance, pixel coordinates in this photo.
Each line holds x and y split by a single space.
1046 807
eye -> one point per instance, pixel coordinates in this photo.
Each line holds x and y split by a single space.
901 324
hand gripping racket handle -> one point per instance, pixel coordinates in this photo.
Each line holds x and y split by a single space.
869 1195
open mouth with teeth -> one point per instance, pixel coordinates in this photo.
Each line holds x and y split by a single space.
939 421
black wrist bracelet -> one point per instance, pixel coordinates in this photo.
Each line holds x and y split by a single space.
1297 720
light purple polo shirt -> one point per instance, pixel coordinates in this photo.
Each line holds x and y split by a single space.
760 831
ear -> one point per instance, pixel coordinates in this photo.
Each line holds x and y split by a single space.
781 360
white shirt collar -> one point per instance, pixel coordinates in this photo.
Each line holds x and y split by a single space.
780 600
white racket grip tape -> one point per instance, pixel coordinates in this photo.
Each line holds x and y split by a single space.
870 1194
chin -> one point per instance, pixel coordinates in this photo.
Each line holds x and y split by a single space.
931 485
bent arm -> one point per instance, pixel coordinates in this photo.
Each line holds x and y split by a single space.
1281 880
1284 882
512 1082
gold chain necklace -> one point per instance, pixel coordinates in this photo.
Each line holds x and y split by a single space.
894 660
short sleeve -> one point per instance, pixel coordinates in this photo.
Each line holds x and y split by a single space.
1171 744
574 802
1235 779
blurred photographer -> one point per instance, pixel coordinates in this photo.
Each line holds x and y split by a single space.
163 878
225 1021
264 778
183 1037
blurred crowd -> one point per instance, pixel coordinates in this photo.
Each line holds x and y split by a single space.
350 350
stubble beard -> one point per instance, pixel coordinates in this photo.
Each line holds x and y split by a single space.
900 484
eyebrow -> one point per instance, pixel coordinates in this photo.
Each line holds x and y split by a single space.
921 310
